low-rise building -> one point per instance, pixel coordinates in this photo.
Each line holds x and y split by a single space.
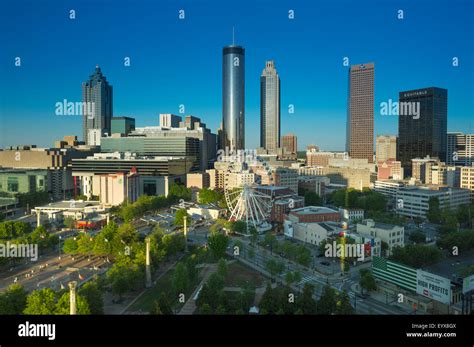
314 214
313 233
393 235
351 214
206 211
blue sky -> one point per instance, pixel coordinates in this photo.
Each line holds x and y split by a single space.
177 62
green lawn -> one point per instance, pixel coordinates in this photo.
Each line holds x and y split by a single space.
238 275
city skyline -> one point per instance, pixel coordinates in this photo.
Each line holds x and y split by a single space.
159 83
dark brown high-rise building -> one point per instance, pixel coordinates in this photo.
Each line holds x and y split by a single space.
360 113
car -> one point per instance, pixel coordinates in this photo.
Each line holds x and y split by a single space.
325 263
320 255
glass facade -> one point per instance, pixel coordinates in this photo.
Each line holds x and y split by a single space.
425 133
233 97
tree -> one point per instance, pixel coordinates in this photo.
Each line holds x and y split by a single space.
218 245
312 199
366 280
179 191
70 246
253 235
209 196
416 255
305 301
41 302
205 309
63 305
91 292
222 268
275 267
165 304
417 236
343 305
269 302
180 215
434 211
156 309
327 301
180 280
13 300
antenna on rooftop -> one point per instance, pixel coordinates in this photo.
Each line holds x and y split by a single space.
233 36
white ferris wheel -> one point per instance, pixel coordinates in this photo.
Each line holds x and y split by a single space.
244 201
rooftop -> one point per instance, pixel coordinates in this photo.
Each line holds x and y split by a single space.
313 210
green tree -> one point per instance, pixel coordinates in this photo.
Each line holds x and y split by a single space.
434 211
222 268
343 305
205 309
366 280
209 196
41 302
70 246
180 280
305 301
269 303
417 236
179 217
13 300
63 305
218 245
327 301
312 199
91 292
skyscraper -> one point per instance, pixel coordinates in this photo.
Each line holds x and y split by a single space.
97 107
270 108
424 132
360 112
233 97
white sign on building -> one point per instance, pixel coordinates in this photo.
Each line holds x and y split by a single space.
433 286
468 284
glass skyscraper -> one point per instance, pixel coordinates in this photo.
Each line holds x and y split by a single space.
424 133
270 108
233 97
97 107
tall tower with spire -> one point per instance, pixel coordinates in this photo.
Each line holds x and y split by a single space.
97 107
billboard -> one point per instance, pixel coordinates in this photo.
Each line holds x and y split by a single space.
468 284
433 286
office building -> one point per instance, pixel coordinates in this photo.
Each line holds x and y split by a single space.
97 98
21 181
168 120
198 180
157 174
122 125
460 149
360 122
414 201
422 125
233 97
54 160
385 148
421 168
270 108
289 144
